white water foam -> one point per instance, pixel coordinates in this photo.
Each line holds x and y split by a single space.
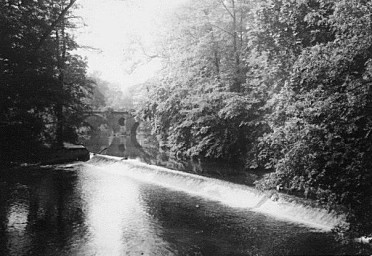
228 193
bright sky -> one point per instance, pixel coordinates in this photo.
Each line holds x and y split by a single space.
110 26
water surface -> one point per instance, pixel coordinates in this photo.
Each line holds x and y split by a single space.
101 209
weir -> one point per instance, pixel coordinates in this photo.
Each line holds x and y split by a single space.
233 195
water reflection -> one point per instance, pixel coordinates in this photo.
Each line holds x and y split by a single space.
92 209
199 227
41 209
118 223
109 143
18 239
145 147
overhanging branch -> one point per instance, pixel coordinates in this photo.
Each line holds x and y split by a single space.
54 24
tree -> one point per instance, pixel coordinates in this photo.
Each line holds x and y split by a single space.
280 84
203 104
320 139
108 95
30 65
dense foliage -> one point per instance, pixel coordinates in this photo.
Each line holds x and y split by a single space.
202 104
42 84
320 141
282 85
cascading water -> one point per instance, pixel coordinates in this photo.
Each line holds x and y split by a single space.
233 195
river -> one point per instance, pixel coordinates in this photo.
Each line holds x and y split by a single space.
111 206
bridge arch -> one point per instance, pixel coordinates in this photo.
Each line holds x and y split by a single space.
121 122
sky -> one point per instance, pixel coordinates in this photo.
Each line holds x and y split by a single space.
110 26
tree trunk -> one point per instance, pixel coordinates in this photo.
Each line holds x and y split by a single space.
236 85
59 132
61 58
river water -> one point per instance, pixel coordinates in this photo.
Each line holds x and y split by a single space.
111 206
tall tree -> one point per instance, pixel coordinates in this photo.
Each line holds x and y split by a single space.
29 75
203 105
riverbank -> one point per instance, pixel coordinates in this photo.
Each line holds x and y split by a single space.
48 155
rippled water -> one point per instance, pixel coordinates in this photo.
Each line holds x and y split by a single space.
115 208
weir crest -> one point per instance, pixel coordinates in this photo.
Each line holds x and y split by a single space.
233 195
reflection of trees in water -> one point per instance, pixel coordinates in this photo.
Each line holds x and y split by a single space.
4 204
103 139
49 206
201 227
56 207
181 225
108 143
121 148
96 141
126 146
146 148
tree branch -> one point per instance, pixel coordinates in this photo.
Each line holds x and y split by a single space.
224 30
144 52
53 25
227 9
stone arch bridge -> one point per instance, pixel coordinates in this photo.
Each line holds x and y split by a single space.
121 122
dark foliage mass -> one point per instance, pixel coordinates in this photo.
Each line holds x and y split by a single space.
43 85
276 84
